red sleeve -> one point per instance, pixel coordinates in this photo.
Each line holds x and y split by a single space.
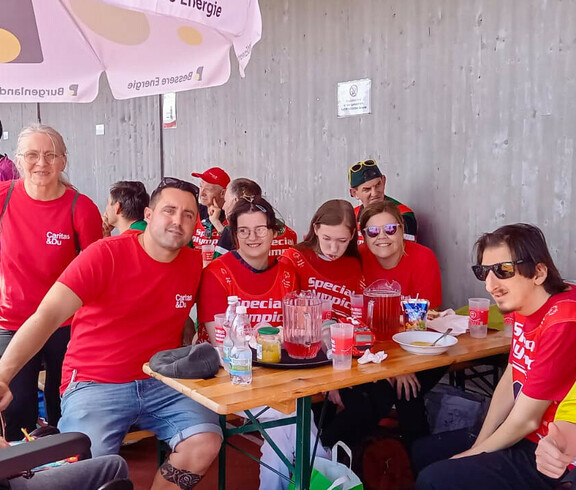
87 221
432 282
553 369
212 297
87 274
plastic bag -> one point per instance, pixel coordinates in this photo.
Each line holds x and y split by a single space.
331 475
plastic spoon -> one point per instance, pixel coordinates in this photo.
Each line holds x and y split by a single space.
441 337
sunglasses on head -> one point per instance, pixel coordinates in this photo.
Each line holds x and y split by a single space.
374 231
173 182
502 270
358 166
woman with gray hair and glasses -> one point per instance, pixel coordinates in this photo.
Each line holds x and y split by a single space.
44 224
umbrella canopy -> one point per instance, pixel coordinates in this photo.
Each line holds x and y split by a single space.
56 50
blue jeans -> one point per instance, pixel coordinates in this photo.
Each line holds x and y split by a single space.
106 411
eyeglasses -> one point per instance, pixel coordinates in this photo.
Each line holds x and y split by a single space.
502 270
374 231
175 183
358 166
33 157
259 231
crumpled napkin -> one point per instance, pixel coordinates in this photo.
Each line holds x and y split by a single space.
367 357
449 319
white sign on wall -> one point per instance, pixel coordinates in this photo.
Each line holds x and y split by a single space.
354 97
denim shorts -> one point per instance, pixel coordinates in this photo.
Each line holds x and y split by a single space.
106 411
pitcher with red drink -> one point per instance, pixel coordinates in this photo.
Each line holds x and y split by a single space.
302 314
382 308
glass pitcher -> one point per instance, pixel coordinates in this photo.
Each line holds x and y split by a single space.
382 308
302 314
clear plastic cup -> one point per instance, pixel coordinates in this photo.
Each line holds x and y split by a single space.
207 254
342 342
357 306
508 324
478 323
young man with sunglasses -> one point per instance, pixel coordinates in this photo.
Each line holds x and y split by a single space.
130 296
516 265
211 215
368 184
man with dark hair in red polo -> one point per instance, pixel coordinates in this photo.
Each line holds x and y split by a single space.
367 184
211 216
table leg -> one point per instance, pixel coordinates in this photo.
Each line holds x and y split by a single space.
222 456
303 469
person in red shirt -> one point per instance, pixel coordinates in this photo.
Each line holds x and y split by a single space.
130 295
520 274
45 223
387 255
327 261
260 281
211 216
248 272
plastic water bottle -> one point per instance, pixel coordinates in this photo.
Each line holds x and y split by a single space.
227 344
241 355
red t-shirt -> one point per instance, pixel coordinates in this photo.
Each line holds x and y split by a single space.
542 354
261 292
334 280
283 242
417 272
199 238
133 307
37 243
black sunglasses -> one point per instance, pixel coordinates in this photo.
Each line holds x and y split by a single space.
173 182
502 270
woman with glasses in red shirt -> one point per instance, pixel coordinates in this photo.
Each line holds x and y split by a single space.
387 255
260 281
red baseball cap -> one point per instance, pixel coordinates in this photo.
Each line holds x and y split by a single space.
214 175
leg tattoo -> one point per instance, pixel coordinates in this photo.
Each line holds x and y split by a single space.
184 479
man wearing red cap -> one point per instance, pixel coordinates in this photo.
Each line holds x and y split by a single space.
211 217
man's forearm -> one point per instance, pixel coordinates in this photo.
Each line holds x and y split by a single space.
500 406
59 304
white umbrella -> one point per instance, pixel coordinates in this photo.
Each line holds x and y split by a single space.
56 50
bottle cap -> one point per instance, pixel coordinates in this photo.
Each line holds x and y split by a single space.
268 331
240 309
232 299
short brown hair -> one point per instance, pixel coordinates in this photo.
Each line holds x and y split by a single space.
378 208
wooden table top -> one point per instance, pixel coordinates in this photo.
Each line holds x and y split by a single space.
279 388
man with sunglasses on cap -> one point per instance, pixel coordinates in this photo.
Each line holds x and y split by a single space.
367 184
516 265
211 215
130 296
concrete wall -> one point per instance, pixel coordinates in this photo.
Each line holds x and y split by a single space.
473 119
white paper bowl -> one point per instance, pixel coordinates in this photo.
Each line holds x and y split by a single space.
405 340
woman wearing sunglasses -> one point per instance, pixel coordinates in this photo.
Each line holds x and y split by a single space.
260 281
386 255
327 261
